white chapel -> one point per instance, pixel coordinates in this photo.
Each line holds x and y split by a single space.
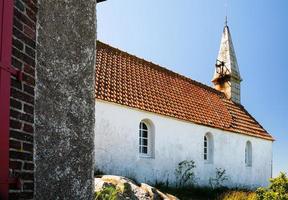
148 119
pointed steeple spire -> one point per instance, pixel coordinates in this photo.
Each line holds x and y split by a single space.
227 76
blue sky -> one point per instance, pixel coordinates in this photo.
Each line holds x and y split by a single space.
184 36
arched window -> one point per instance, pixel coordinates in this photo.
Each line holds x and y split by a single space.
143 138
248 154
146 139
205 148
208 148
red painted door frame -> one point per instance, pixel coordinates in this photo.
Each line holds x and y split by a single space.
6 23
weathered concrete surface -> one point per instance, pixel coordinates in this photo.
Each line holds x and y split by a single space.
64 105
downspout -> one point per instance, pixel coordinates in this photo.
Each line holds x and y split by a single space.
6 23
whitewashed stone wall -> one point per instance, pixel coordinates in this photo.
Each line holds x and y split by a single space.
116 149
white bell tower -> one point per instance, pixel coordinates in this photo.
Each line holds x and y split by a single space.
227 77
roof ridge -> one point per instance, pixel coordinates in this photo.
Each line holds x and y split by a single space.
154 65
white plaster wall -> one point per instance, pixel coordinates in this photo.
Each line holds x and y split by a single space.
116 149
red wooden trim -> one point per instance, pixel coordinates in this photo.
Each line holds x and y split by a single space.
1 28
6 23
4 130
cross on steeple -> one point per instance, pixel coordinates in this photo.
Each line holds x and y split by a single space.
226 20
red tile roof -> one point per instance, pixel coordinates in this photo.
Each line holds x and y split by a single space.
127 80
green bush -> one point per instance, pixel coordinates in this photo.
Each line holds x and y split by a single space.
185 173
108 193
278 189
219 179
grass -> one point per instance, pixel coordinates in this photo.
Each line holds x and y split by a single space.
237 195
207 193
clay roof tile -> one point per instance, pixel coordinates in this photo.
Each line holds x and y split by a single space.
131 81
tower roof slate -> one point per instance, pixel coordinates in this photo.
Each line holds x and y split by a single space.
125 79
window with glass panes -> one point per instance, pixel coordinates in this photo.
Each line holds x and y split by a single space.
143 138
248 154
205 148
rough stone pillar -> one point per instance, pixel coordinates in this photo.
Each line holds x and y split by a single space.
64 104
